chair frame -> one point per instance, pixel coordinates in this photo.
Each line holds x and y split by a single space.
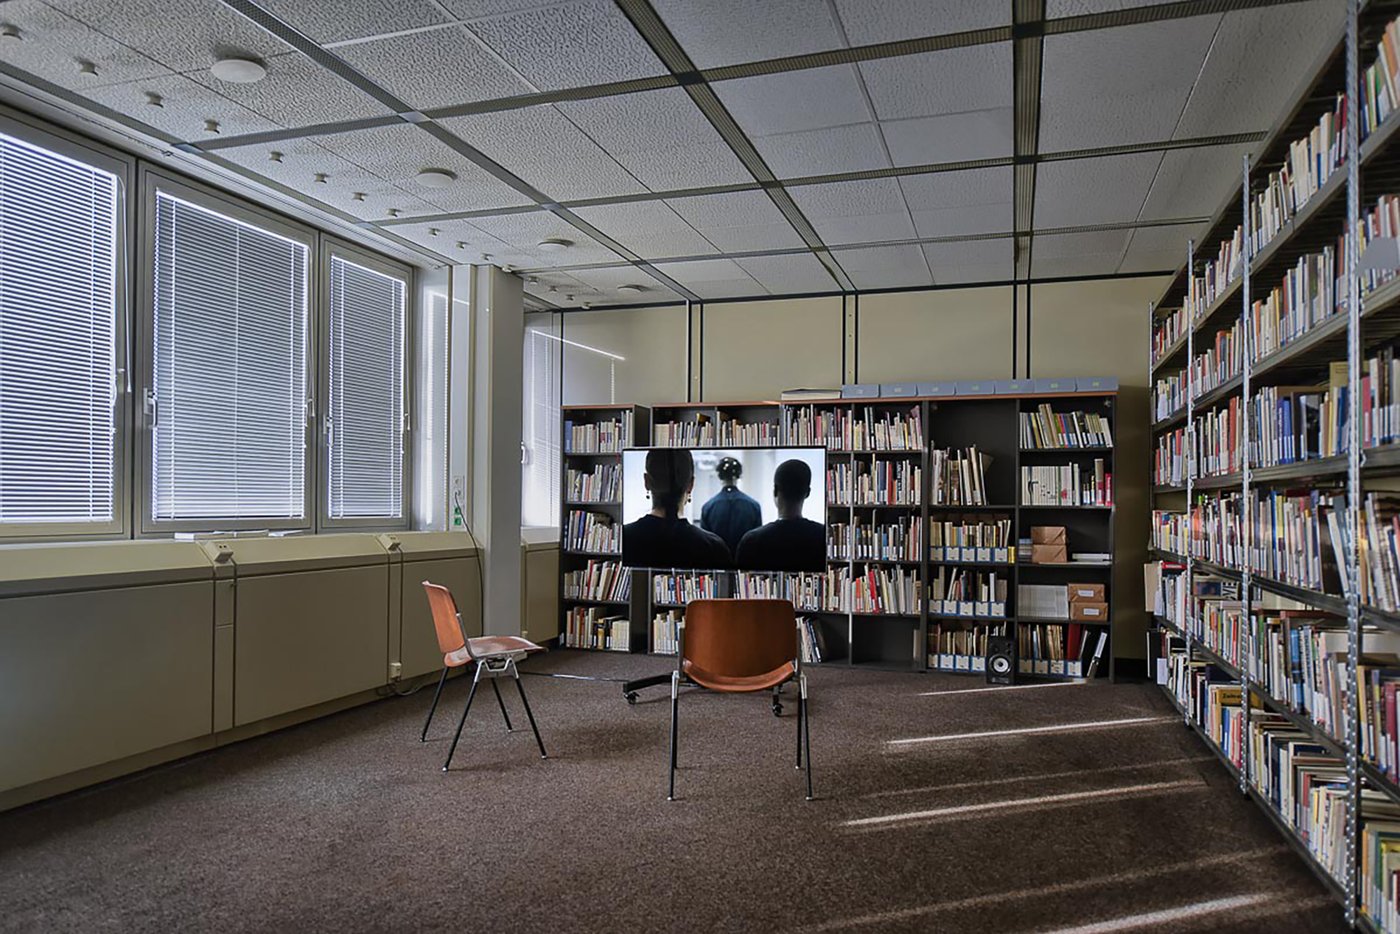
804 735
493 667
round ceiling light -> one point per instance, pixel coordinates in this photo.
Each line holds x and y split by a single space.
238 70
554 245
630 287
436 178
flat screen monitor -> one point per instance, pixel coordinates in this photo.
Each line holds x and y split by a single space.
754 509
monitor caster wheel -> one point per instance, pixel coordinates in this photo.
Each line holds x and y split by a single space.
777 710
631 698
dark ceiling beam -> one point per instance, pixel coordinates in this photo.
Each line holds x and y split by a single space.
1027 56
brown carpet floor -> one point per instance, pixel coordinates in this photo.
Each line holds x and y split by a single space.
348 824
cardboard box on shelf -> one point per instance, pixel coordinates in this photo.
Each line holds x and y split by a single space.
1048 535
1093 593
1049 554
1089 611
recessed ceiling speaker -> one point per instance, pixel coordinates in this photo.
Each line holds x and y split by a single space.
436 178
1001 660
238 70
631 287
554 245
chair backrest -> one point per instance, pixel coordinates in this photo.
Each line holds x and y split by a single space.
740 638
445 622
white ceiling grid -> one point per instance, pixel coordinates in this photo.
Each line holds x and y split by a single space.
635 172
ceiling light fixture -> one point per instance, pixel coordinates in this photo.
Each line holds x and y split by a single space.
86 67
320 178
554 245
274 156
436 178
394 212
9 31
357 196
211 126
238 70
631 287
154 100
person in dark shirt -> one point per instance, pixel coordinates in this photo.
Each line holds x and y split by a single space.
661 538
789 543
731 513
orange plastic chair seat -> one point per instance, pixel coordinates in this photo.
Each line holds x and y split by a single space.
738 684
489 647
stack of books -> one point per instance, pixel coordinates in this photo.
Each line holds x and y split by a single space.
1046 429
602 484
600 580
604 437
592 532
959 477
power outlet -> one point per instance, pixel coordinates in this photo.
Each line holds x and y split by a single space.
459 493
395 671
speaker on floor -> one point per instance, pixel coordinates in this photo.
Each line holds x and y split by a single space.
1001 660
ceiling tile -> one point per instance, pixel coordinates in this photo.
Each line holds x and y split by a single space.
477 9
855 212
570 45
1195 182
297 92
693 272
523 233
1151 249
1058 9
1150 67
184 108
180 34
1077 192
433 69
337 20
727 32
661 137
738 221
891 20
945 204
975 134
52 45
1242 88
651 229
971 260
544 148
888 267
464 243
398 153
299 162
796 100
1067 246
789 274
820 152
950 81
605 281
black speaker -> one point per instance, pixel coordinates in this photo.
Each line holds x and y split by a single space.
1001 660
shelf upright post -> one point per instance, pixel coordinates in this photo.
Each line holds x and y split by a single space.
1190 392
1350 879
1246 472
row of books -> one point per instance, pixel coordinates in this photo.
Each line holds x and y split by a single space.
950 538
1294 658
809 426
1217 530
665 632
1170 326
1067 485
736 434
591 532
1219 363
878 482
697 433
964 592
805 591
1219 438
680 589
811 641
1054 649
1217 275
1170 461
959 476
1168 396
954 647
1310 163
1381 222
1380 82
1303 784
1047 429
609 436
1293 535
1378 549
901 540
1380 399
1306 297
599 580
1289 424
878 590
602 484
591 627
887 431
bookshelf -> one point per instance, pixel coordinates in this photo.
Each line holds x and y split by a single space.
914 566
1274 456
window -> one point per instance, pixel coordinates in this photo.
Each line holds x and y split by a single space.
227 403
365 405
60 306
541 461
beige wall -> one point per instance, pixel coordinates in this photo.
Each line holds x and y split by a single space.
950 334
754 350
654 345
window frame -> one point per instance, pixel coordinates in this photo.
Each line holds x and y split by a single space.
123 167
154 181
331 246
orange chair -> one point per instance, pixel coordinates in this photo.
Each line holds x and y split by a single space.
494 656
741 646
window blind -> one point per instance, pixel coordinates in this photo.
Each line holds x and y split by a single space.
365 351
542 465
228 399
58 338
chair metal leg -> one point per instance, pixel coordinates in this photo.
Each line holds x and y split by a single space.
806 732
505 715
436 694
529 715
801 717
675 714
462 722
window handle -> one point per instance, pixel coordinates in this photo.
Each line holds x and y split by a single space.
326 428
152 408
